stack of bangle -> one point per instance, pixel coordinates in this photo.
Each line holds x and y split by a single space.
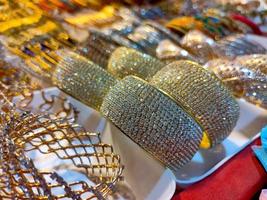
133 105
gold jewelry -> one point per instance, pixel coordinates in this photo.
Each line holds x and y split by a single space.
32 14
125 61
95 87
14 82
184 24
246 76
99 18
36 45
153 120
51 138
202 94
199 45
82 79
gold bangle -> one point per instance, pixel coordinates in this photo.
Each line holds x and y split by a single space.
82 79
199 45
184 24
153 120
125 61
99 18
245 76
202 95
33 17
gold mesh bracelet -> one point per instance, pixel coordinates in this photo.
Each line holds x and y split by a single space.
153 120
202 94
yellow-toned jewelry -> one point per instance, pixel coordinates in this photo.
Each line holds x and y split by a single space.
34 14
125 61
183 24
98 89
202 94
53 139
104 16
246 76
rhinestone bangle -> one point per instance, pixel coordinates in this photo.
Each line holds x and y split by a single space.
82 79
202 95
153 120
245 76
125 61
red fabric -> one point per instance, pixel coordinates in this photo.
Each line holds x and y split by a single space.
238 179
254 27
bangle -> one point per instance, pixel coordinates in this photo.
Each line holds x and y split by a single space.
31 14
82 79
98 48
202 94
100 18
153 120
199 45
125 61
245 76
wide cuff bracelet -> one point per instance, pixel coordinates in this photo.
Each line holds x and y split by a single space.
125 61
153 120
82 79
203 96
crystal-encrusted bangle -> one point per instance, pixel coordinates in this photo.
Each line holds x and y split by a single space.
82 79
125 61
246 76
153 120
203 96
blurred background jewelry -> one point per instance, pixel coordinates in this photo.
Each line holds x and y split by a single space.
236 45
125 61
245 76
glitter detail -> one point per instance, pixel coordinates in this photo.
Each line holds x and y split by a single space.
82 79
257 62
98 47
153 120
246 76
199 45
202 95
125 61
